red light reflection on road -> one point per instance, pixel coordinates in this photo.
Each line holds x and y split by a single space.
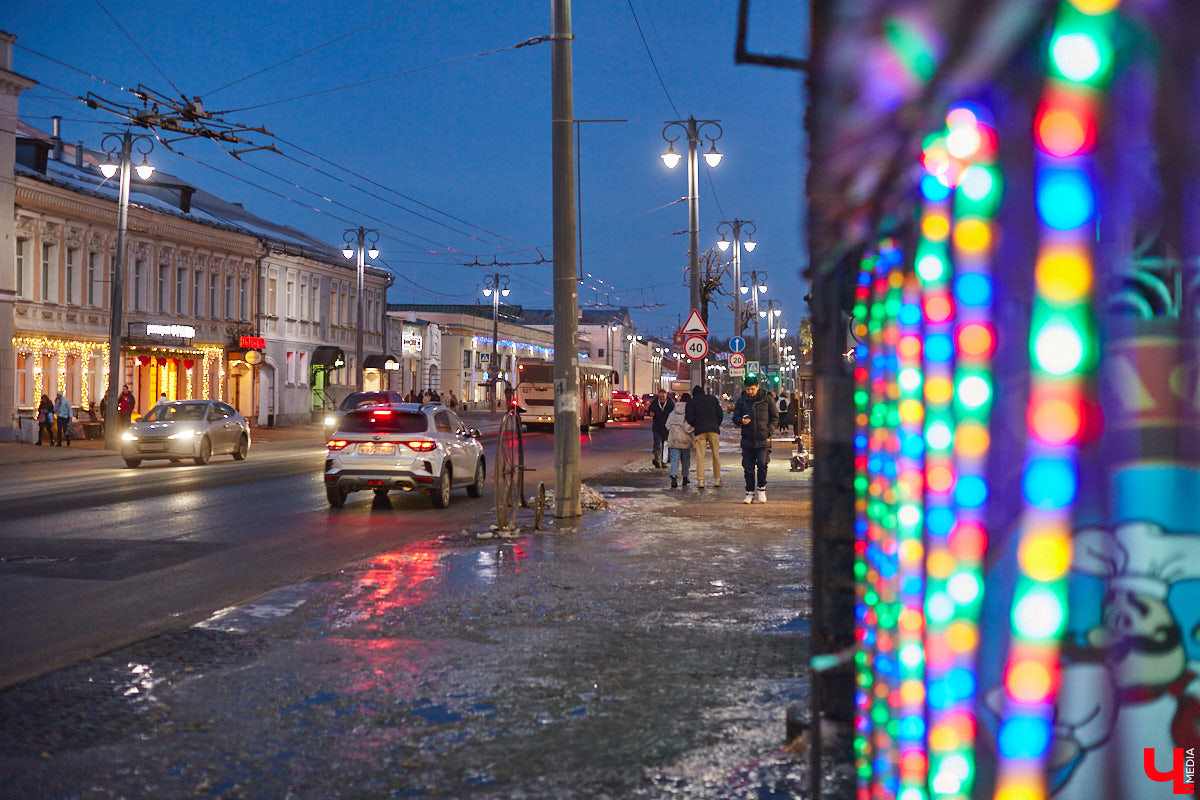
398 580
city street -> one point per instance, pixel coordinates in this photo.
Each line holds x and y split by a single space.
649 650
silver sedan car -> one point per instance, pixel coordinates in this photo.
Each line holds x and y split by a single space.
195 429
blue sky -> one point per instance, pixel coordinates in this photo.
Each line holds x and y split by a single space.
450 157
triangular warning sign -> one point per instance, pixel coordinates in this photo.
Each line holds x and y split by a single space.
695 325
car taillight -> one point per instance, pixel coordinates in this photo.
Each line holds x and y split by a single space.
336 444
622 400
420 446
381 412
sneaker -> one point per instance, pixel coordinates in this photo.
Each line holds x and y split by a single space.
761 496
674 482
699 484
717 484
749 498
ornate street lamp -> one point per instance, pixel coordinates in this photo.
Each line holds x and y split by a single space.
735 227
120 144
496 287
354 241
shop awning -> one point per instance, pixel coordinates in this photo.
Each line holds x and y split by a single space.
327 355
378 361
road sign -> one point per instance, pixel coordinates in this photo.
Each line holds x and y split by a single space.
737 360
485 358
695 325
737 344
737 372
752 367
696 347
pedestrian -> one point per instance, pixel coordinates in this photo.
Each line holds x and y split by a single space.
793 414
63 413
704 414
680 441
660 408
45 420
126 405
453 401
758 418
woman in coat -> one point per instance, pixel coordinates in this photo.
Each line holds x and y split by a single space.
45 418
680 440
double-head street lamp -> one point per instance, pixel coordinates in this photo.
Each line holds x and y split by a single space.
496 286
354 240
759 288
120 144
694 129
734 227
630 368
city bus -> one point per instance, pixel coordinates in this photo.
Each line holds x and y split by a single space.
535 392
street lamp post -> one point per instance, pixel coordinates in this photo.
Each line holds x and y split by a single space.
496 286
127 140
354 240
735 228
758 288
693 128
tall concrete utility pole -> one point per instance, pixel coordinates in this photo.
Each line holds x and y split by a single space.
567 501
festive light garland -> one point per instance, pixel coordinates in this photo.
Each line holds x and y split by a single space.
40 347
1063 353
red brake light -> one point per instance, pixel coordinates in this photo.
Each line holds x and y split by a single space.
336 444
420 446
381 412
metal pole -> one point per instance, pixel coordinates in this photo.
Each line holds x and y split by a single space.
567 501
754 291
358 334
494 370
737 278
697 369
112 436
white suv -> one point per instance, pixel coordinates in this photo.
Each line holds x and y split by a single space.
405 446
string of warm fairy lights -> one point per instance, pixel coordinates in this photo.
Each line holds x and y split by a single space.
1063 351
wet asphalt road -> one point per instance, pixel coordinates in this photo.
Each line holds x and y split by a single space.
127 553
649 651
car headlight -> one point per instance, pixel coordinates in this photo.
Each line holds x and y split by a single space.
330 422
129 436
185 434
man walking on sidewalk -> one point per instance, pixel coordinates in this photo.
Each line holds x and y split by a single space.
755 413
704 414
660 408
63 413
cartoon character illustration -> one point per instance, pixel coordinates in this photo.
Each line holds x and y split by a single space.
1130 674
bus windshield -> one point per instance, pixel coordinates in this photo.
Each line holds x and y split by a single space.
537 373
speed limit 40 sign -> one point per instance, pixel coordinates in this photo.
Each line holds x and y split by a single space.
696 347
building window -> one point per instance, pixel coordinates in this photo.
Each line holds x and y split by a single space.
22 282
197 292
71 384
271 298
138 268
302 368
290 357
334 305
244 299
314 308
47 272
291 299
95 377
228 297
180 303
24 379
212 295
93 259
303 306
72 272
164 275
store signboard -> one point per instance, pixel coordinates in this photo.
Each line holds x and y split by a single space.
410 341
156 331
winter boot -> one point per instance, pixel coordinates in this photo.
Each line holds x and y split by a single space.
674 482
749 498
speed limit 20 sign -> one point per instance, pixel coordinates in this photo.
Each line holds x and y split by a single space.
696 347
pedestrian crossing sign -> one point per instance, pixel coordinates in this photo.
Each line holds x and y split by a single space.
752 367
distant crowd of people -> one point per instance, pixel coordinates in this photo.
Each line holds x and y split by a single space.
432 396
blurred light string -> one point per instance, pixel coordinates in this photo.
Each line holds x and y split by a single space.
1063 348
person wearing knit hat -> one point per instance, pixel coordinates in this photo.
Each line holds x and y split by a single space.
758 419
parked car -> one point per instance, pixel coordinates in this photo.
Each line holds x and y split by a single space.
179 429
626 406
405 446
360 400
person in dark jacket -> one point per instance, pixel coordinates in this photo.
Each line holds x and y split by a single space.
758 417
704 414
660 408
45 419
